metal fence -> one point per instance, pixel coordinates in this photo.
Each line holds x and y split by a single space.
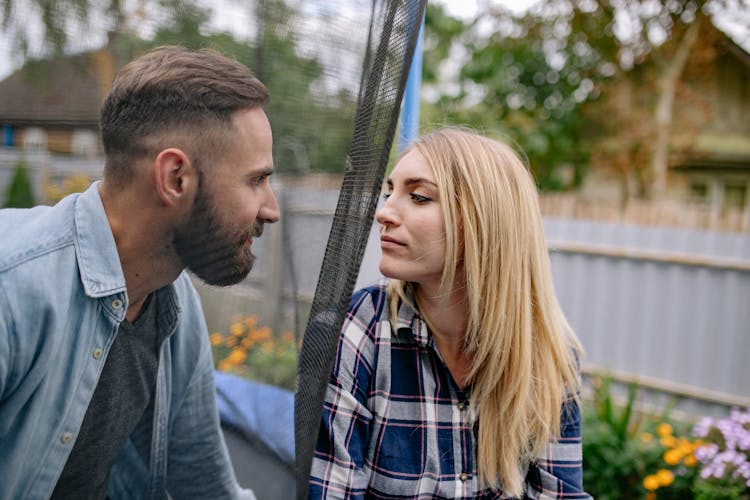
668 308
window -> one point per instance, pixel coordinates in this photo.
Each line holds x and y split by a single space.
84 143
735 195
35 138
699 191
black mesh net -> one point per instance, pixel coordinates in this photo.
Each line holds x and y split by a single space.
392 36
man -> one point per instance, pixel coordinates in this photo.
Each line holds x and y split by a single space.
106 382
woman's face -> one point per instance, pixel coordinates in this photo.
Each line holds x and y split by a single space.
412 235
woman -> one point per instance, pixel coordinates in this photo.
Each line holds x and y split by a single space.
457 377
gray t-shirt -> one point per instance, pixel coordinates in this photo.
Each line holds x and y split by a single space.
120 400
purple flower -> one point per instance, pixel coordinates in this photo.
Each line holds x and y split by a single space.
706 453
703 426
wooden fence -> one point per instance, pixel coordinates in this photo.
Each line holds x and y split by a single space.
647 213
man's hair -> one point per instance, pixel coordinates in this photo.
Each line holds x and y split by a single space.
523 352
173 97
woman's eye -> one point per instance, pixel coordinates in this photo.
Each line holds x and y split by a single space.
419 198
386 196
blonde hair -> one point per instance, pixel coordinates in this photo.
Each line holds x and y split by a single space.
523 352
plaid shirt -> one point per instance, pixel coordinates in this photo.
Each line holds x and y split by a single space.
395 424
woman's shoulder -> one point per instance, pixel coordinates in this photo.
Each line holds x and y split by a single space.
370 302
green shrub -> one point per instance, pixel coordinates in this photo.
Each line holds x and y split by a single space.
19 193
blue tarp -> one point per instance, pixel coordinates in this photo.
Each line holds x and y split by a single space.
265 412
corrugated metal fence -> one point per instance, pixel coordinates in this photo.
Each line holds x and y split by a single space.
667 307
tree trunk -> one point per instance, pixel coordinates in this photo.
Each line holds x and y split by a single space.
664 109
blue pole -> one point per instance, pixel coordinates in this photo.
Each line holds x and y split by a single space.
410 105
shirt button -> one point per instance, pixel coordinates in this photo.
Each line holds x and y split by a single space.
461 405
463 476
116 304
97 353
65 439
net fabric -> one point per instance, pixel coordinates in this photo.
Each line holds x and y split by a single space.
392 37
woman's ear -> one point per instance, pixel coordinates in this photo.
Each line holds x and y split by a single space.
175 177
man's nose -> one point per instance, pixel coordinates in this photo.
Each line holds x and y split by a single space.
269 211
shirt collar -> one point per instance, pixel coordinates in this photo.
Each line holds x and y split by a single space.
409 319
96 251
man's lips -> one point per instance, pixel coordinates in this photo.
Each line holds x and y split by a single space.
388 242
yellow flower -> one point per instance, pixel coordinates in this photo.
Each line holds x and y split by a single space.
216 338
236 329
665 477
664 430
231 341
236 357
690 460
287 336
651 482
647 437
650 495
672 457
668 441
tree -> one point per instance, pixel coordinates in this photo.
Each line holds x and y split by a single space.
312 124
577 81
20 194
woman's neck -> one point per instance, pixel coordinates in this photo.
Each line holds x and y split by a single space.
447 314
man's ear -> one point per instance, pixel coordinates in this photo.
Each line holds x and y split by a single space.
175 177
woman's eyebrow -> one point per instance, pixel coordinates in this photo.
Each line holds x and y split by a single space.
411 181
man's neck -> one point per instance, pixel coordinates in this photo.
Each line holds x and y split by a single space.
147 258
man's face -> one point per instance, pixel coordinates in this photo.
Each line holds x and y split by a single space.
233 202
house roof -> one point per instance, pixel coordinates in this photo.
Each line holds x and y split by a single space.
64 91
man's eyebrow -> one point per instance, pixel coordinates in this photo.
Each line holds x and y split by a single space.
262 172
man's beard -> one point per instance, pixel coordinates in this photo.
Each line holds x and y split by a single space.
211 251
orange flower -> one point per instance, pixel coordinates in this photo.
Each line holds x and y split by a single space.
668 441
672 457
216 338
236 357
231 341
690 460
651 482
647 437
260 334
237 329
665 477
664 430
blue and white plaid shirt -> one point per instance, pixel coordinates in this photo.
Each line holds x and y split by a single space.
395 424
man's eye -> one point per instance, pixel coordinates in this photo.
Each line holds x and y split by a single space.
258 181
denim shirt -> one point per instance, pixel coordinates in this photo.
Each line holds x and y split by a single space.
62 298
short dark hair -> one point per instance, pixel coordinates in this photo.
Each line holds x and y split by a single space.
172 93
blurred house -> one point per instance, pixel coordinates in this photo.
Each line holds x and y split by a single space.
49 118
714 164
709 150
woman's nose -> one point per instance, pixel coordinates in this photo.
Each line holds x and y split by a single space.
386 214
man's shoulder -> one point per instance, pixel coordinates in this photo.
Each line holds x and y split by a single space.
33 232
